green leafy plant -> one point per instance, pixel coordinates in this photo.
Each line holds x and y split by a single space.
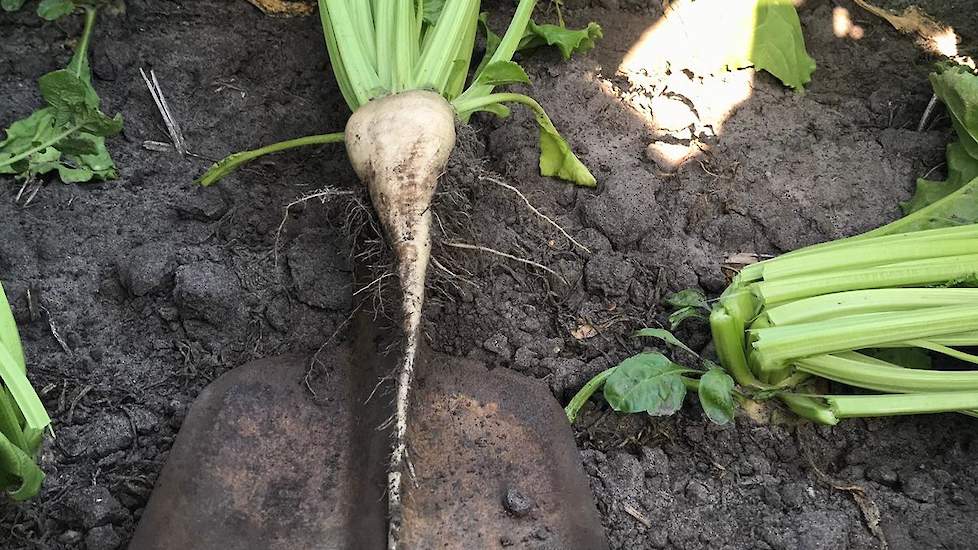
871 311
690 303
957 87
778 45
763 34
68 134
651 383
404 68
556 159
827 311
22 415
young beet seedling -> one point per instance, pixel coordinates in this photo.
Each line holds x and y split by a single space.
402 67
649 382
68 134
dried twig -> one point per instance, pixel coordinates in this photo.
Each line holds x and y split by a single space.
172 126
74 402
54 332
924 117
31 185
639 517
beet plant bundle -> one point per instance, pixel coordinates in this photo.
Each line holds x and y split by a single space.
870 313
405 69
875 311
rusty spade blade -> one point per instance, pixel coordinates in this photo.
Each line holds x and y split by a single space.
270 460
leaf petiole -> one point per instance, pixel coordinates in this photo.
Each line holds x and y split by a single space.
585 393
49 143
232 162
81 52
556 158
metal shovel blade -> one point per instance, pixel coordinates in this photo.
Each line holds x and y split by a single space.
494 464
268 459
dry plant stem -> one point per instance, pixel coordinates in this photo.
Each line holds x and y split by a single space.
398 146
639 517
35 186
537 212
172 127
926 116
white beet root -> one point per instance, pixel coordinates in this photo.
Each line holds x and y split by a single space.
399 146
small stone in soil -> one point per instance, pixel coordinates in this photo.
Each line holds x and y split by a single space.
102 538
498 344
517 503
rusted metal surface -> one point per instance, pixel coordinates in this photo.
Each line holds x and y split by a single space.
494 464
263 463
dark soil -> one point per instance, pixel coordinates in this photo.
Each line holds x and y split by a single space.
148 287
